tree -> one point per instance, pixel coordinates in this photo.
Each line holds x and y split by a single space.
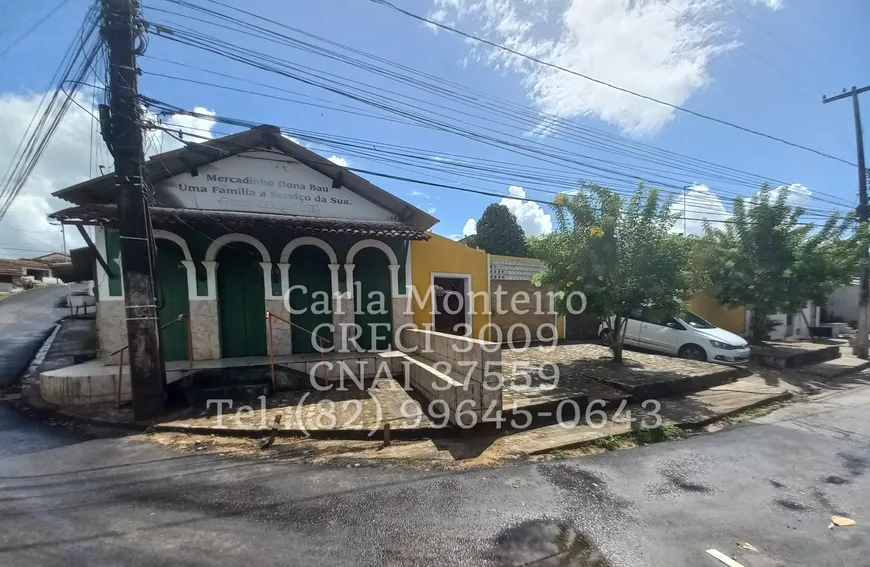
498 232
620 255
769 262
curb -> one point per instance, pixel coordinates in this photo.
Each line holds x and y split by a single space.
686 426
775 398
325 434
844 372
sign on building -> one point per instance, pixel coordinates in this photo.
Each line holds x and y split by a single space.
265 182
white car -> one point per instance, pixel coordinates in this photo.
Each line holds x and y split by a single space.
686 335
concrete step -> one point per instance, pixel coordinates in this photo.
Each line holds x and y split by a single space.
836 367
691 410
643 385
793 354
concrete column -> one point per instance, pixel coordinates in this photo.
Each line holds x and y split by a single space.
267 278
190 267
211 279
348 278
205 329
333 273
284 268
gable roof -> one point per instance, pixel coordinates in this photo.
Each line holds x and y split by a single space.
101 190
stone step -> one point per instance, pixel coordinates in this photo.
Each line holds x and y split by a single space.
836 367
642 385
691 410
793 354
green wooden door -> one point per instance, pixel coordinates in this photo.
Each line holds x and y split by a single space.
373 299
309 267
172 299
241 301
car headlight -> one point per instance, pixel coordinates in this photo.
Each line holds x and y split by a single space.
723 346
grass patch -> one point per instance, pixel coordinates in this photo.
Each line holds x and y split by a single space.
612 442
664 432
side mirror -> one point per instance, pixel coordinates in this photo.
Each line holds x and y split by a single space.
674 325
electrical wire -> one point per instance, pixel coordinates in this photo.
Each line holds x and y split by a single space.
50 111
570 157
493 171
311 35
34 27
539 61
472 190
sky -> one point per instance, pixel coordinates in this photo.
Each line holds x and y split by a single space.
760 64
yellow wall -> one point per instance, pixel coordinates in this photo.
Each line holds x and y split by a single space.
442 255
730 319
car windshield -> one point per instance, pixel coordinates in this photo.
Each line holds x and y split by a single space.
695 321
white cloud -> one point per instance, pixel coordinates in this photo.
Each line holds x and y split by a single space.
531 216
338 160
797 194
469 228
661 48
25 230
702 203
695 205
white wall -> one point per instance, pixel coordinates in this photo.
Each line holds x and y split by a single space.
843 303
799 328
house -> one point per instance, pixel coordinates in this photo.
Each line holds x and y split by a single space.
244 222
40 269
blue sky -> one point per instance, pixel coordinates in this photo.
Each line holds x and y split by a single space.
702 54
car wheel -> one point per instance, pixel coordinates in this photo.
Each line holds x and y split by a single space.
605 337
692 352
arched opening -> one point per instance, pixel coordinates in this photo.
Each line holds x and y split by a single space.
241 301
310 298
373 305
172 299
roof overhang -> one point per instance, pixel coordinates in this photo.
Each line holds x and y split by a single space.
162 217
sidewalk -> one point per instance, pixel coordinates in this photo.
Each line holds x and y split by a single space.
349 423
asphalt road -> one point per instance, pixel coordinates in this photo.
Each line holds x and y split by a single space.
774 484
26 319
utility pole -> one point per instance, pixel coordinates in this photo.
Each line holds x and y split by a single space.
861 346
120 31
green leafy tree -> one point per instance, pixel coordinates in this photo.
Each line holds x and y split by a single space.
498 232
769 262
620 255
